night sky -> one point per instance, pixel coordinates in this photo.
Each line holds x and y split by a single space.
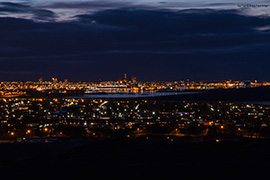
84 40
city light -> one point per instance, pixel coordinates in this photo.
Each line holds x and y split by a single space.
145 89
16 89
176 118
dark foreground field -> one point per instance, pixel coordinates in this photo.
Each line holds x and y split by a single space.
136 158
232 95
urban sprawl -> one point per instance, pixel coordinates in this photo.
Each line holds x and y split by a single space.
25 116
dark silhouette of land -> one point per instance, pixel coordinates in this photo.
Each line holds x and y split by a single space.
234 95
137 158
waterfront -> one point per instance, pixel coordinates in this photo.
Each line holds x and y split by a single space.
123 88
131 95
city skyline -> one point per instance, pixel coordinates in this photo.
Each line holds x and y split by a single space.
126 87
165 41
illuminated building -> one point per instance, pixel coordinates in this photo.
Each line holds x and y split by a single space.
134 79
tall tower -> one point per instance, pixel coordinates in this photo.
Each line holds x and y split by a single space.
125 78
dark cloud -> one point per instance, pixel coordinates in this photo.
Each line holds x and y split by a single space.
16 8
179 22
86 5
152 44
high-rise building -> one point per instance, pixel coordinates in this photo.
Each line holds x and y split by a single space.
40 80
188 82
125 78
134 79
54 80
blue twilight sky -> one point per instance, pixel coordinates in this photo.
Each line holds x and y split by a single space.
151 39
